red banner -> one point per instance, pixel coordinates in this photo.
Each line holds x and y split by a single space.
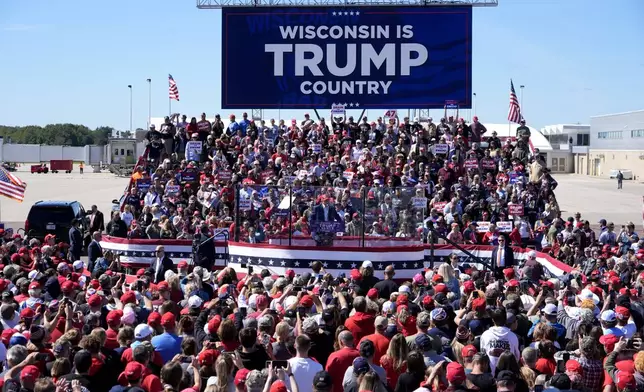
515 209
471 163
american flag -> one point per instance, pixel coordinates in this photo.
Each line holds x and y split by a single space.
514 115
173 89
11 186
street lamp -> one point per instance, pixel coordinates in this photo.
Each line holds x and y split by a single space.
130 87
149 102
474 102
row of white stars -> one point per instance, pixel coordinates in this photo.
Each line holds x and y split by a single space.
348 104
340 13
325 264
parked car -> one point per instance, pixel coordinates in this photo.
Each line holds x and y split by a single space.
40 168
628 174
55 217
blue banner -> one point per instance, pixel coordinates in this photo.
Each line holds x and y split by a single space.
363 57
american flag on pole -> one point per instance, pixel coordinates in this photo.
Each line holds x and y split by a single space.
173 89
514 115
11 186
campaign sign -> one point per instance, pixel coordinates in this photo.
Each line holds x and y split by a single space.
193 150
441 148
471 163
143 184
419 202
189 175
504 226
327 227
487 163
362 57
224 175
440 206
515 209
172 190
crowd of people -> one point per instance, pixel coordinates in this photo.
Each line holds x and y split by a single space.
72 326
379 179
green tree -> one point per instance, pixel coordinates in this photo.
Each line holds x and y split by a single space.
57 134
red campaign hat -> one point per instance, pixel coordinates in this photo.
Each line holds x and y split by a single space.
574 367
6 336
182 264
622 313
241 376
27 313
508 273
94 300
134 371
548 284
213 324
615 281
478 304
609 341
67 286
428 300
163 286
437 278
34 286
402 300
154 319
128 298
30 373
372 293
290 273
622 381
95 284
113 318
306 301
468 351
184 311
3 284
355 274
140 272
278 386
208 357
168 320
512 283
468 286
441 288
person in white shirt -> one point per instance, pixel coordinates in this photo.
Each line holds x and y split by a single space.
303 367
9 316
499 338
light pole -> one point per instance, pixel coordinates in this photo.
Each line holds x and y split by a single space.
474 103
130 87
521 87
149 102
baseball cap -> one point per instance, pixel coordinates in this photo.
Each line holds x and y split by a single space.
438 314
27 313
622 313
550 309
168 320
423 342
608 316
240 376
360 366
154 319
128 298
455 373
468 351
30 373
278 386
133 371
322 380
622 381
574 366
142 331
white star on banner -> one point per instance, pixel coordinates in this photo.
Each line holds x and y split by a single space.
171 254
248 260
232 259
270 262
351 13
325 264
357 12
310 263
415 265
353 265
345 104
239 259
259 261
351 104
334 15
282 263
297 263
346 13
339 265
357 104
404 265
379 266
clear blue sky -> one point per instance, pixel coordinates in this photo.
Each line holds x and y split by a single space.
71 60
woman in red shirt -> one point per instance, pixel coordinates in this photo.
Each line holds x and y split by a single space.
394 362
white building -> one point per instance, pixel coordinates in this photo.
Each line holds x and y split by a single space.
571 142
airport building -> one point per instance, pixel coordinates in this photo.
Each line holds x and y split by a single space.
570 144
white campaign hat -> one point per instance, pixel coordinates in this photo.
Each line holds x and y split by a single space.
142 331
587 294
78 264
367 264
195 302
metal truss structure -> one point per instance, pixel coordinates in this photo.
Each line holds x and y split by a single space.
217 4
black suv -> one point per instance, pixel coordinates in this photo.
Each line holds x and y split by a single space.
55 217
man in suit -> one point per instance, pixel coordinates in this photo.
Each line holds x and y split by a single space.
502 257
161 264
94 250
75 240
96 221
325 212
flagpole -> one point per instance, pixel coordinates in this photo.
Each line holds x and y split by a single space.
169 106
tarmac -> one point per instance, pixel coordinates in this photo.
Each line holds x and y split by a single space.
594 198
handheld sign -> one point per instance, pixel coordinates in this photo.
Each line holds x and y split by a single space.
348 175
504 226
317 148
245 204
143 184
487 163
471 163
419 202
172 190
391 113
193 150
441 149
515 209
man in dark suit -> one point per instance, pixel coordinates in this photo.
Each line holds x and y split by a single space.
75 240
502 257
94 250
161 264
96 221
326 212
